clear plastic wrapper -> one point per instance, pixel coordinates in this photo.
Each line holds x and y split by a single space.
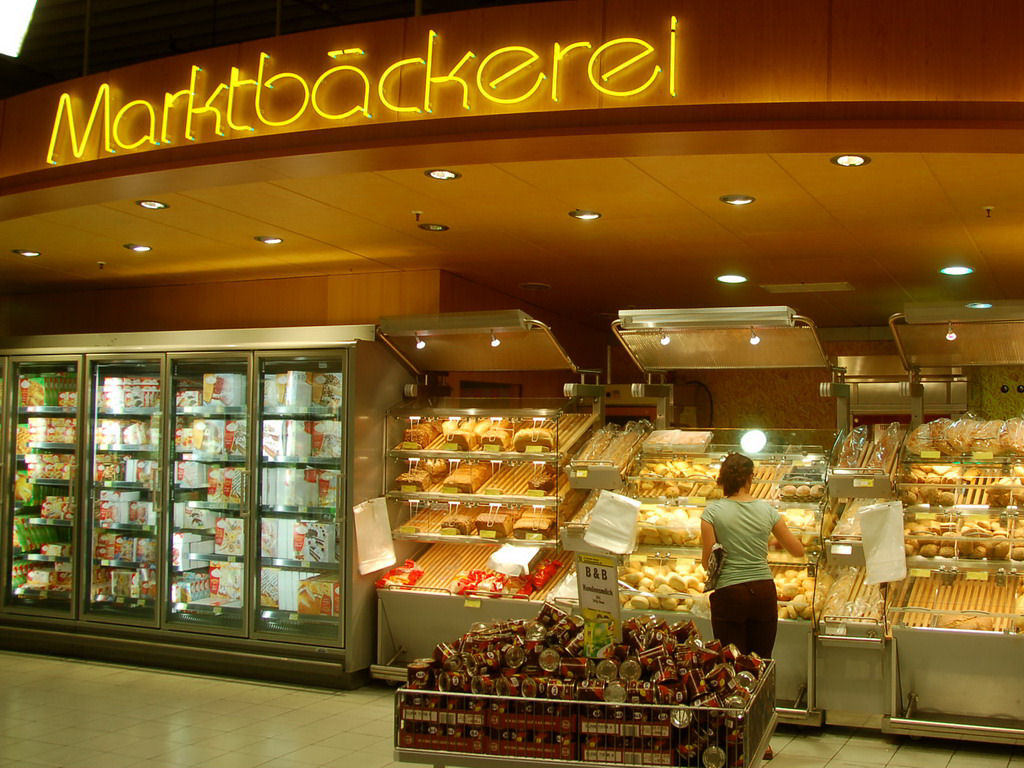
853 447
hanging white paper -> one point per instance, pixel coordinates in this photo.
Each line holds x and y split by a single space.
374 546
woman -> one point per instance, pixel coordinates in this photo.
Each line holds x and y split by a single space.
743 606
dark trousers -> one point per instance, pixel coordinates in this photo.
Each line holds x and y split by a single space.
746 615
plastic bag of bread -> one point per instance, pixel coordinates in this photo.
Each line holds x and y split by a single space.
988 436
852 449
960 435
920 439
887 441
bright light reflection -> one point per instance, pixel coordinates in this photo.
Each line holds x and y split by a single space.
15 17
753 441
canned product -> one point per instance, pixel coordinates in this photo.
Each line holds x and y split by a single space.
574 668
649 657
574 645
606 670
614 692
482 685
681 717
730 652
534 631
671 694
534 688
508 686
640 693
713 757
420 674
549 659
515 656
453 682
666 670
745 681
549 615
590 690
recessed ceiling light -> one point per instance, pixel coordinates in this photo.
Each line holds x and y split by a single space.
137 248
851 161
731 279
442 174
950 333
26 254
269 239
737 199
754 338
420 342
434 227
956 271
978 305
533 286
151 205
577 213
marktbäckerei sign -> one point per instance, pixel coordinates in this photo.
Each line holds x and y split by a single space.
355 87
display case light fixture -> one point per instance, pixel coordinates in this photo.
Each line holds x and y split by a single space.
151 205
664 340
137 248
420 342
582 215
754 338
737 199
950 333
26 254
979 305
269 239
442 174
495 341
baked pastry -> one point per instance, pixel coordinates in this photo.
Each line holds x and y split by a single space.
437 468
938 431
544 479
535 523
416 478
469 476
1011 439
498 433
531 437
422 433
461 520
499 522
919 440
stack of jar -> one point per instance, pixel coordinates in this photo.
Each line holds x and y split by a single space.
656 663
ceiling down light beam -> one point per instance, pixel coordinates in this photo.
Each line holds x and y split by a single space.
15 17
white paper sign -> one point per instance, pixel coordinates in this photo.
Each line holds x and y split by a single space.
374 546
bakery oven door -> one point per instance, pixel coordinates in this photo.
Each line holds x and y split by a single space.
43 450
208 458
301 453
124 502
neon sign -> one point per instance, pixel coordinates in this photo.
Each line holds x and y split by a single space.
350 91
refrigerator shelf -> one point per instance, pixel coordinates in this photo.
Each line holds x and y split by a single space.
291 411
52 523
42 594
49 481
280 562
54 409
123 485
196 531
211 410
188 454
121 563
217 506
128 412
316 461
300 513
137 527
45 558
53 446
121 601
207 609
124 448
215 556
294 616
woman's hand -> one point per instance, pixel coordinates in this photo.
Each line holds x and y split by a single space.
785 537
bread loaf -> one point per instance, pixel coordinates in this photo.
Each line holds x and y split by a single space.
544 479
534 523
417 478
461 520
499 522
499 436
529 437
421 434
436 468
469 476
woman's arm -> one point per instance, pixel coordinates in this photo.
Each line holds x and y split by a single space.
707 538
785 537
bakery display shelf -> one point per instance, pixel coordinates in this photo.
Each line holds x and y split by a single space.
302 412
52 446
475 498
411 533
38 558
939 563
107 525
971 600
69 410
127 412
568 429
135 565
215 556
281 562
211 411
42 594
299 513
216 506
292 617
208 607
301 461
846 607
127 448
189 454
51 523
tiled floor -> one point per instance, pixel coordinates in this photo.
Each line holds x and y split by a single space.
60 712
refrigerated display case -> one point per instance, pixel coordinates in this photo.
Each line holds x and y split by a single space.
42 449
478 488
219 471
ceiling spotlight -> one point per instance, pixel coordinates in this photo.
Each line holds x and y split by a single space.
735 279
137 248
956 271
664 340
753 441
442 174
576 213
434 227
151 205
495 341
754 338
26 254
978 305
269 239
420 343
737 199
851 161
950 333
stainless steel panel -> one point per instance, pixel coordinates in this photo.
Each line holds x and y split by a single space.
926 346
718 317
531 349
851 678
724 348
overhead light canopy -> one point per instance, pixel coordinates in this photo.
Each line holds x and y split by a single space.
434 227
15 17
712 317
269 239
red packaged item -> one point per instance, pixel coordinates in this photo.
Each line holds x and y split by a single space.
401 576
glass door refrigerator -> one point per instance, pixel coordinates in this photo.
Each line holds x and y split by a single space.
207 574
43 460
300 579
123 484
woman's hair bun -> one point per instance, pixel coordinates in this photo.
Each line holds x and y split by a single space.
734 473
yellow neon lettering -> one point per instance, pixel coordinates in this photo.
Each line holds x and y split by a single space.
150 136
170 98
365 108
382 85
648 49
269 83
673 53
208 107
531 58
561 53
235 82
451 77
65 107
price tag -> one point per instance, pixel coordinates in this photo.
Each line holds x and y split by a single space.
492 447
471 604
451 446
976 576
410 489
493 491
488 534
839 630
535 449
700 460
863 482
411 446
293 617
930 454
305 563
535 536
582 473
842 549
450 489
536 492
408 529
698 500
919 573
119 600
982 455
925 516
218 610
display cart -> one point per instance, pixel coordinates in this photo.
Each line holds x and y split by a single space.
674 481
956 620
471 479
